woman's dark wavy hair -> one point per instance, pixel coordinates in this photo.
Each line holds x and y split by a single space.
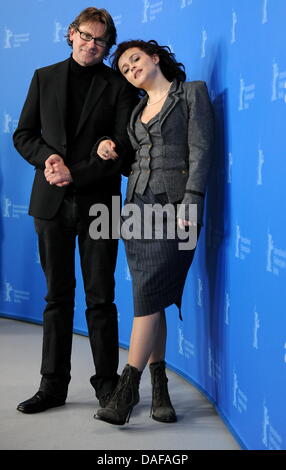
169 66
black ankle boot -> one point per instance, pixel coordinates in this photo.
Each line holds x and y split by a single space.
161 408
124 398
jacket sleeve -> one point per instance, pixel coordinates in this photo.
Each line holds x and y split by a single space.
94 168
200 142
27 137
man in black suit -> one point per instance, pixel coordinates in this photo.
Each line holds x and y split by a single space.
72 108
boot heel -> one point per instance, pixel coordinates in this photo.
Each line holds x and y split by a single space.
128 415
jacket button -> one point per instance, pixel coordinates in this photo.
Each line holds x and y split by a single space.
184 172
131 172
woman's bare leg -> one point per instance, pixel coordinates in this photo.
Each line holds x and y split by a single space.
159 349
148 340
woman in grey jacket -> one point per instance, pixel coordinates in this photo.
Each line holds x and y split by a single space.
171 130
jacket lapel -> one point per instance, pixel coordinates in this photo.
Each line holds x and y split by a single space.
61 83
131 125
96 89
171 101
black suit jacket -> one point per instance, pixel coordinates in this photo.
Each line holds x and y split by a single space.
42 131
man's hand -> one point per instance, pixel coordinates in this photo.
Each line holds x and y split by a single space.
54 158
106 150
56 172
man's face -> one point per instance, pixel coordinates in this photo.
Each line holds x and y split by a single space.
88 53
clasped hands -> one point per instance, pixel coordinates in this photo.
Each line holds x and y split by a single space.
106 151
56 172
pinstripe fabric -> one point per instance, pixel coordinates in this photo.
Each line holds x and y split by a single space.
158 268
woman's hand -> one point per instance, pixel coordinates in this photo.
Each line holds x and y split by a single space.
106 150
185 223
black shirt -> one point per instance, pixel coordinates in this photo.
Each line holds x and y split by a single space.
79 81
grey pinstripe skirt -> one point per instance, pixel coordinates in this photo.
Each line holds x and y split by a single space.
158 268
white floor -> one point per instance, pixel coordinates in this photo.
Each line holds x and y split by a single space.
73 427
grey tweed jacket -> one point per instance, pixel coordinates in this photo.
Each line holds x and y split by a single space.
186 122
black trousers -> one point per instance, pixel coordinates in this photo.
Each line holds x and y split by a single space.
57 239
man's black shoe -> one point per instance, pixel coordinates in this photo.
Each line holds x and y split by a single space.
39 402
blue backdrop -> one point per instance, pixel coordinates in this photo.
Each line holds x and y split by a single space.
232 342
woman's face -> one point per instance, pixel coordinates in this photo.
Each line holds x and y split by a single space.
138 67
